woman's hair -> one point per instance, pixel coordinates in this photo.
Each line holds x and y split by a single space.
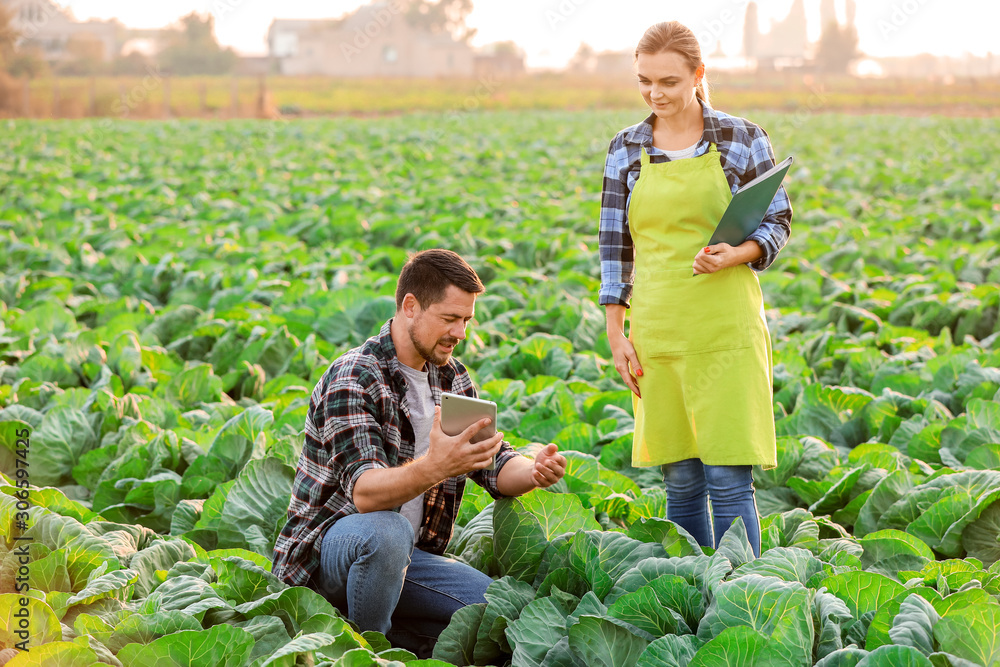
676 37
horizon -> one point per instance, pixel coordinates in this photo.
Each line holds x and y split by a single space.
550 32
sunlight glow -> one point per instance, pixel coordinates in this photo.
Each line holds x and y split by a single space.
550 31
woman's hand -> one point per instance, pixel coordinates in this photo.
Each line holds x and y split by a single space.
722 256
626 361
714 258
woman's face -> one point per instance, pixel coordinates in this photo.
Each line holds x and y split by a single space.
667 82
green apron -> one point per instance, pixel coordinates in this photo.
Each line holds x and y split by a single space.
702 341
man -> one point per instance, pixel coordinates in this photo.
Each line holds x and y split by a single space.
379 483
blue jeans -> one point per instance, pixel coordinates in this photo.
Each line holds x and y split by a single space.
690 485
371 572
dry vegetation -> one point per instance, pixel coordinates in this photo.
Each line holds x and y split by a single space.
155 96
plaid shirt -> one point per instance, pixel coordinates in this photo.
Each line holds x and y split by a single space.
358 420
745 152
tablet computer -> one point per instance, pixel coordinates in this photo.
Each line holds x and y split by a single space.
460 412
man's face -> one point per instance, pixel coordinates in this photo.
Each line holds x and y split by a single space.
436 330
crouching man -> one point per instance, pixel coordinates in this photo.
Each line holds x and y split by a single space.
379 483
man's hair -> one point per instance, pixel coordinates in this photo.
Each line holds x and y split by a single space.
428 274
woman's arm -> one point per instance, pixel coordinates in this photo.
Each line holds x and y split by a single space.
763 245
774 231
617 261
617 254
626 360
722 256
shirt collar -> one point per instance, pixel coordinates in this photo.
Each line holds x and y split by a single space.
642 133
388 351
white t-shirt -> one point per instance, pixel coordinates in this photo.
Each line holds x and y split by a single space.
682 153
420 402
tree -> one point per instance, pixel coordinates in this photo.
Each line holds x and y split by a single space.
584 60
838 47
441 16
507 48
132 63
193 49
84 55
8 36
751 31
28 61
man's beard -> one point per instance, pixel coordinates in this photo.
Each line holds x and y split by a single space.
431 355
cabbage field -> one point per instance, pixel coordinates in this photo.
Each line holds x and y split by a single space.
171 292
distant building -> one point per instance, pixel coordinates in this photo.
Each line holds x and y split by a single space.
374 41
615 63
935 68
55 33
255 65
502 60
786 41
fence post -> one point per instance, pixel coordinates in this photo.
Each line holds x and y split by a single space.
26 97
55 97
235 104
166 96
92 101
262 101
202 98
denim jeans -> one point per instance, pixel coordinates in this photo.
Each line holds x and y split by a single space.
690 485
371 572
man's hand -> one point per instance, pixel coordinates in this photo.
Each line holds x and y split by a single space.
448 456
549 467
460 454
521 474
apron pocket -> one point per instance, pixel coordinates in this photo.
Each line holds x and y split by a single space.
674 313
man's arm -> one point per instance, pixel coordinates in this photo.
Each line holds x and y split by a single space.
448 456
521 474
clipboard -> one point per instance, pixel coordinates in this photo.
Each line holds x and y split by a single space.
749 205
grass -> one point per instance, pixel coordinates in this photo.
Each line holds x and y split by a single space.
228 97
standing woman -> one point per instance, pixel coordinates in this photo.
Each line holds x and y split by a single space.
698 354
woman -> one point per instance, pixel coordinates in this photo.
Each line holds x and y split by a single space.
698 354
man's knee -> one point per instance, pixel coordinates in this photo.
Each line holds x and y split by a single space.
484 583
385 537
393 534
475 587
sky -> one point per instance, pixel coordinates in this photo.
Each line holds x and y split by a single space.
550 31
